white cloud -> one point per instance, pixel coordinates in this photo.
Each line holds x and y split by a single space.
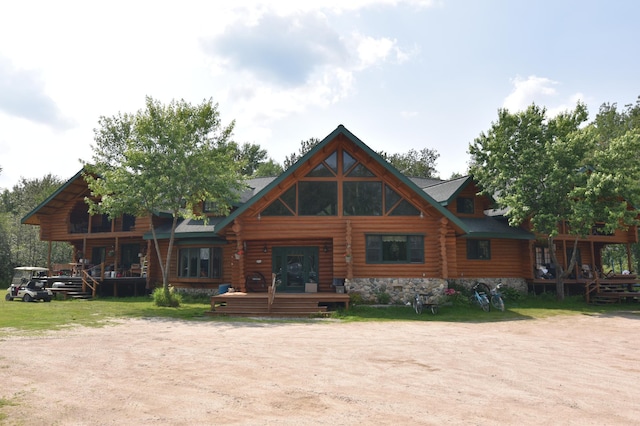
527 91
542 91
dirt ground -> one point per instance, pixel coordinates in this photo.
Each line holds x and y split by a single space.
568 370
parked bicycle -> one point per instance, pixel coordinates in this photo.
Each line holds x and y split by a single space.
496 298
420 301
479 296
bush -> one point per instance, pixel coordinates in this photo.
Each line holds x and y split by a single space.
383 297
510 294
172 299
356 299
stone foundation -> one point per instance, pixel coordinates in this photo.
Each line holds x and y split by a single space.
400 291
518 284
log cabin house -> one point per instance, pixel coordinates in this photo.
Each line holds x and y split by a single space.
341 219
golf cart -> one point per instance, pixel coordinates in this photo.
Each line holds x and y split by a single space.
27 286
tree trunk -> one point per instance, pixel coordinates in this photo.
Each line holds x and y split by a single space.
561 273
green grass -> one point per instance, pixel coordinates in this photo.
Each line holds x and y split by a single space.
526 308
36 317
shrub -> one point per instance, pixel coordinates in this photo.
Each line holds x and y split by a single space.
355 298
383 297
172 299
510 294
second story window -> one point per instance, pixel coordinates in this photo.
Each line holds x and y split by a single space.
465 205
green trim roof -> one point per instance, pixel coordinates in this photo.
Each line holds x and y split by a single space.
64 186
490 227
188 228
340 130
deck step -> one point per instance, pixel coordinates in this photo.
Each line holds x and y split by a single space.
287 305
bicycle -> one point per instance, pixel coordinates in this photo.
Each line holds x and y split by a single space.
479 296
496 298
422 300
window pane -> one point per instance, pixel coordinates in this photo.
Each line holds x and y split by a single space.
374 249
200 262
277 208
360 171
204 263
479 249
405 208
332 162
318 198
347 162
362 198
391 197
217 263
320 171
289 198
464 205
394 248
193 263
416 249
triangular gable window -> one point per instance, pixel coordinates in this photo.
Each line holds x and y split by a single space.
405 208
284 206
328 168
362 192
360 171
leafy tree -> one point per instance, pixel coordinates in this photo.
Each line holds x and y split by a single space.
267 169
414 163
20 244
548 170
305 146
164 158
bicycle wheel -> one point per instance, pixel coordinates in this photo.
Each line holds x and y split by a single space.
434 309
484 303
418 306
497 302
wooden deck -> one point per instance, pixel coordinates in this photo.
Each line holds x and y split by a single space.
284 304
116 286
612 289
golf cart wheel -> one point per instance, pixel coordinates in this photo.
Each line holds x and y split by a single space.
8 297
27 298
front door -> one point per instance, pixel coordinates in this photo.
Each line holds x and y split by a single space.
295 266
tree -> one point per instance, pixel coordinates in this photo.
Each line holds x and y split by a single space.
20 244
529 164
305 146
414 163
164 158
268 168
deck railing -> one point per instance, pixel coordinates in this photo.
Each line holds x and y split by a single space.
88 280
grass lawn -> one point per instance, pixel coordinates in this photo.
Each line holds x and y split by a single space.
40 316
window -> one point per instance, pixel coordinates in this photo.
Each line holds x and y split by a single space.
317 198
543 255
362 198
395 248
464 205
479 249
200 262
362 192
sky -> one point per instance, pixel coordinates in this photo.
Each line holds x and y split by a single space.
399 74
